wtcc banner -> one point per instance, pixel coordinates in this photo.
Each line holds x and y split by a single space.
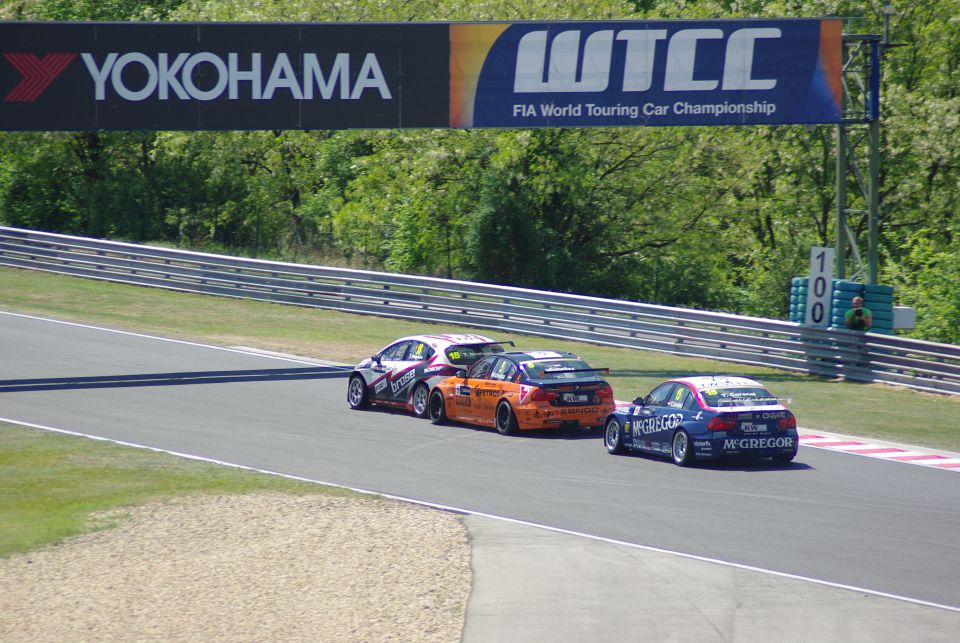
234 76
721 72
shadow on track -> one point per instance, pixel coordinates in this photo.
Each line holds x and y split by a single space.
173 379
560 433
741 463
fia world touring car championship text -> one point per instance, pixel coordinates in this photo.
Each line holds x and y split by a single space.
679 108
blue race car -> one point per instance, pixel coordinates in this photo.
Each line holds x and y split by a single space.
705 418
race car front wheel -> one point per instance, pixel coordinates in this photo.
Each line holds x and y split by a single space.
437 408
357 396
613 436
420 400
682 450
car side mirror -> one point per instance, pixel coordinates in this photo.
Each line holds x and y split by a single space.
640 401
376 358
462 374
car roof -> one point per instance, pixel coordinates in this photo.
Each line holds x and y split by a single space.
445 339
529 356
701 382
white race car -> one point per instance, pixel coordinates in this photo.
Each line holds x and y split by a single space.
403 373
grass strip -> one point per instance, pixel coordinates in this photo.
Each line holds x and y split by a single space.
52 486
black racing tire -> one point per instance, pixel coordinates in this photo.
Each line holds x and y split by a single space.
505 420
437 408
681 450
357 395
784 458
613 436
420 400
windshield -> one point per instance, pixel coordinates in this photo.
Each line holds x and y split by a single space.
558 369
467 354
739 396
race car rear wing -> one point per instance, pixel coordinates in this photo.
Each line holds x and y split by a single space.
548 379
605 371
750 401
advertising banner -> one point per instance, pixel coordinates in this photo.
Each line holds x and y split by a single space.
222 76
236 76
718 72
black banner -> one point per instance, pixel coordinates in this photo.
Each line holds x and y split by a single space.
222 76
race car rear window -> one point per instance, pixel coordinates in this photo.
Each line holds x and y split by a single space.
737 396
467 354
558 369
419 352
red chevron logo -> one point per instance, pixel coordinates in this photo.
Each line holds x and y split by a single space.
38 73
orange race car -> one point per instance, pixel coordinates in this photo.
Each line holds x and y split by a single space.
524 390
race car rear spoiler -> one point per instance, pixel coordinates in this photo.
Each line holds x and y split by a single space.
750 401
605 371
582 376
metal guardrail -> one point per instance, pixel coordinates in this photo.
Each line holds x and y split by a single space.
864 357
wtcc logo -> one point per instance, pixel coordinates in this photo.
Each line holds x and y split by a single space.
569 70
37 74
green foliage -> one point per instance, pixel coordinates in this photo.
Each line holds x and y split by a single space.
926 279
88 9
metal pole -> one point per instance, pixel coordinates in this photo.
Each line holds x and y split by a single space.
887 11
841 254
874 205
874 208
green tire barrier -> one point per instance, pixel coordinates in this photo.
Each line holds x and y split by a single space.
877 297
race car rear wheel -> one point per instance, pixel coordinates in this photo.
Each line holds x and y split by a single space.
357 396
437 408
682 450
421 398
784 458
613 436
505 420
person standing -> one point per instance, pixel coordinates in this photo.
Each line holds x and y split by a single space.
858 317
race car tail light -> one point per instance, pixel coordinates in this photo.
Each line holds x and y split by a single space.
605 392
723 422
541 395
788 422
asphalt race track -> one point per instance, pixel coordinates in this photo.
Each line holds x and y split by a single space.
883 526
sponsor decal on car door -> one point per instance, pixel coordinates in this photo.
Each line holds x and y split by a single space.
479 391
494 387
408 371
386 386
462 401
654 422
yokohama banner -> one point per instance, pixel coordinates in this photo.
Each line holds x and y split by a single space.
215 76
